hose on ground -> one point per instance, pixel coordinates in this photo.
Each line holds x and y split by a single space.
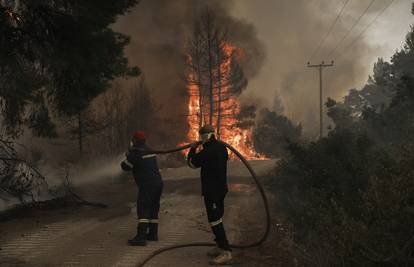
206 244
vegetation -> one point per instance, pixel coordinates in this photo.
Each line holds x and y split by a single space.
349 196
56 57
273 133
123 110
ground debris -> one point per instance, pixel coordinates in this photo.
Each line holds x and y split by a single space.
23 185
27 209
18 178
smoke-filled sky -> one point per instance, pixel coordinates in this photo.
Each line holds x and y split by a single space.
291 30
160 33
282 32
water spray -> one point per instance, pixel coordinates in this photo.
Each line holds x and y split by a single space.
208 244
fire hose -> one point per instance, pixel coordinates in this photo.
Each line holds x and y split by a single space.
206 244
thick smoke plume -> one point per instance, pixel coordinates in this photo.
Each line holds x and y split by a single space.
160 32
290 31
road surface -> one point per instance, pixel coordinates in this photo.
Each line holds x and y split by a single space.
90 236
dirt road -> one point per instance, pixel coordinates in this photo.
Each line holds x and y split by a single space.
98 237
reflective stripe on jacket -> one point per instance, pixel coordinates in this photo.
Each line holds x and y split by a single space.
143 166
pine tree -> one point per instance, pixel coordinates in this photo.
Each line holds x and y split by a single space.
65 48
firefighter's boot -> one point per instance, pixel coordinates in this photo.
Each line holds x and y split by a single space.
141 238
224 258
214 252
152 232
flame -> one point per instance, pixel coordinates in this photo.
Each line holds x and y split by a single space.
239 138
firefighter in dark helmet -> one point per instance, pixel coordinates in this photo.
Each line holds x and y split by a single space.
212 160
149 181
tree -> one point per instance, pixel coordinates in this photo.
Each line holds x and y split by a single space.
376 95
214 75
39 120
142 112
124 109
273 133
84 124
65 49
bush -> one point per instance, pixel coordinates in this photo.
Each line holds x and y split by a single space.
349 202
273 133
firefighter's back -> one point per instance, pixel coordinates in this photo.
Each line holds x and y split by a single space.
214 171
145 166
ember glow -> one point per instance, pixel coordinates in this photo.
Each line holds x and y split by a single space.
230 133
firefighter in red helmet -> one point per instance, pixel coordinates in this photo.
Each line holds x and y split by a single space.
149 181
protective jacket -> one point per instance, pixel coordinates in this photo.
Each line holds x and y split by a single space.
143 165
213 162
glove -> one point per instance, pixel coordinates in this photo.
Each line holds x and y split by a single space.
195 144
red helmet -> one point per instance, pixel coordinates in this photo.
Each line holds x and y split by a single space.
139 136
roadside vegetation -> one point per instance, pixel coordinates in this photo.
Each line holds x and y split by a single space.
348 198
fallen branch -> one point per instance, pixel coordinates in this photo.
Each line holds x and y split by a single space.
10 155
79 200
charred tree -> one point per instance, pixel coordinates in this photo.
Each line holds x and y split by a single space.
219 49
208 28
214 75
195 76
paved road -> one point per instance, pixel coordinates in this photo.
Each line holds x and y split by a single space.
97 237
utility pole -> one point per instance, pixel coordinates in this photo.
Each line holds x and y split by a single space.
320 66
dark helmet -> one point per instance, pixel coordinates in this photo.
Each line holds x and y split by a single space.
208 128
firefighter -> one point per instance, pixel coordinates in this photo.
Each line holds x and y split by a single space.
213 162
149 181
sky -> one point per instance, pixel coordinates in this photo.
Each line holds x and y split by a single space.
390 29
291 30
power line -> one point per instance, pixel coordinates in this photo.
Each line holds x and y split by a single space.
322 41
367 27
350 30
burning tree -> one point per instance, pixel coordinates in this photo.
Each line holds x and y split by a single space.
215 79
215 75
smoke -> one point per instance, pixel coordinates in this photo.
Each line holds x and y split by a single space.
99 170
278 38
160 32
291 30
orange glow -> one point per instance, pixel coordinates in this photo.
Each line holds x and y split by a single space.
230 133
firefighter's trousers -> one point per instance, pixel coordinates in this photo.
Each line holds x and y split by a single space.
148 203
215 212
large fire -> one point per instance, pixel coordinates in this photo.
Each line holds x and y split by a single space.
230 132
